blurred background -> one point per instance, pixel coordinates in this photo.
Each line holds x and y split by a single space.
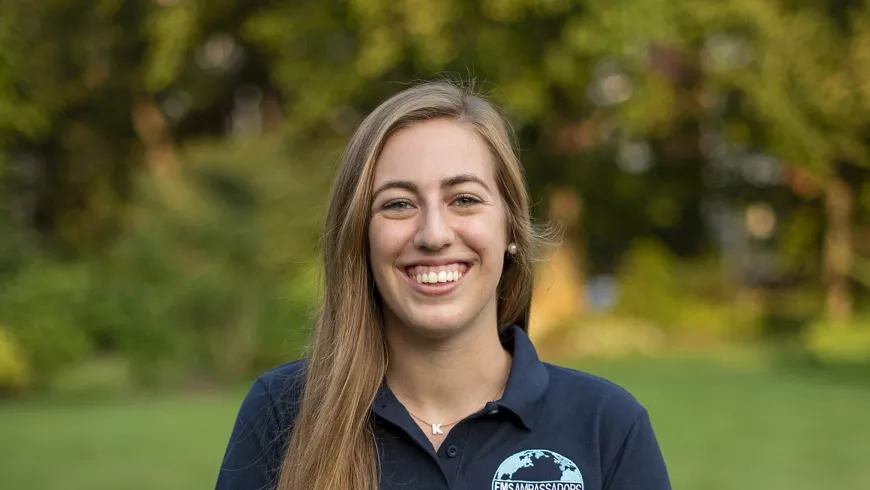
164 171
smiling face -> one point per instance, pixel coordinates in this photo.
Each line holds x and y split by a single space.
438 230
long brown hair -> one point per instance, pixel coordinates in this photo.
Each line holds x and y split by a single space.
332 443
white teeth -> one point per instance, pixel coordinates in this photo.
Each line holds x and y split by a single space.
437 277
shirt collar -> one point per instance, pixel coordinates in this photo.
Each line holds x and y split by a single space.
528 378
527 382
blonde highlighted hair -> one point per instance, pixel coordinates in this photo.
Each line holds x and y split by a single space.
332 443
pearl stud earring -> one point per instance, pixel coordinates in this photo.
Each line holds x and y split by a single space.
512 248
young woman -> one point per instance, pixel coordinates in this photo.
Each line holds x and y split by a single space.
422 375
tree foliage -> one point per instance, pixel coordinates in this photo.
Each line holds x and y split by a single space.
140 163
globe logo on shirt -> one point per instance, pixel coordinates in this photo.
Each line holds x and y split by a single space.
537 469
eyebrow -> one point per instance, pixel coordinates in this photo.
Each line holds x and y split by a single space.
445 183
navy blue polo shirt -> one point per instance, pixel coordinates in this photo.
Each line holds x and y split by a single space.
553 429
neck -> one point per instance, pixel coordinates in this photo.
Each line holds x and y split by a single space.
440 380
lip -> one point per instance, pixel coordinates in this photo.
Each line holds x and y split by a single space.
435 262
438 288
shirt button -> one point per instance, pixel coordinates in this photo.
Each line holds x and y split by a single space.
452 451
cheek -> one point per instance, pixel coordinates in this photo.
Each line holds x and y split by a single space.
386 240
486 237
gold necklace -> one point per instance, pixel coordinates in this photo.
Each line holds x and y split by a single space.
436 428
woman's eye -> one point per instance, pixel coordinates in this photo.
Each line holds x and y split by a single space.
465 201
397 205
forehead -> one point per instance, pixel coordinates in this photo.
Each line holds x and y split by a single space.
427 152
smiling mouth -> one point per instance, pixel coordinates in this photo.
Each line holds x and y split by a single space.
439 274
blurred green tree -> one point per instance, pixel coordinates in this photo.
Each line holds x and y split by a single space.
106 110
806 79
87 94
799 71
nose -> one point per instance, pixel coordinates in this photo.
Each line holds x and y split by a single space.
434 231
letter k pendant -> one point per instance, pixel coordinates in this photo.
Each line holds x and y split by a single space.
436 429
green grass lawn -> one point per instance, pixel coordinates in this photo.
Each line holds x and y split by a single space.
740 428
720 427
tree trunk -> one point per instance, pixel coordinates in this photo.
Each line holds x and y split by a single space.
150 127
838 253
560 282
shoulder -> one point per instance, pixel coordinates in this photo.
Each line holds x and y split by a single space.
255 450
593 396
613 421
276 394
590 384
286 379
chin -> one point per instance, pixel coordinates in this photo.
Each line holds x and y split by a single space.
436 323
